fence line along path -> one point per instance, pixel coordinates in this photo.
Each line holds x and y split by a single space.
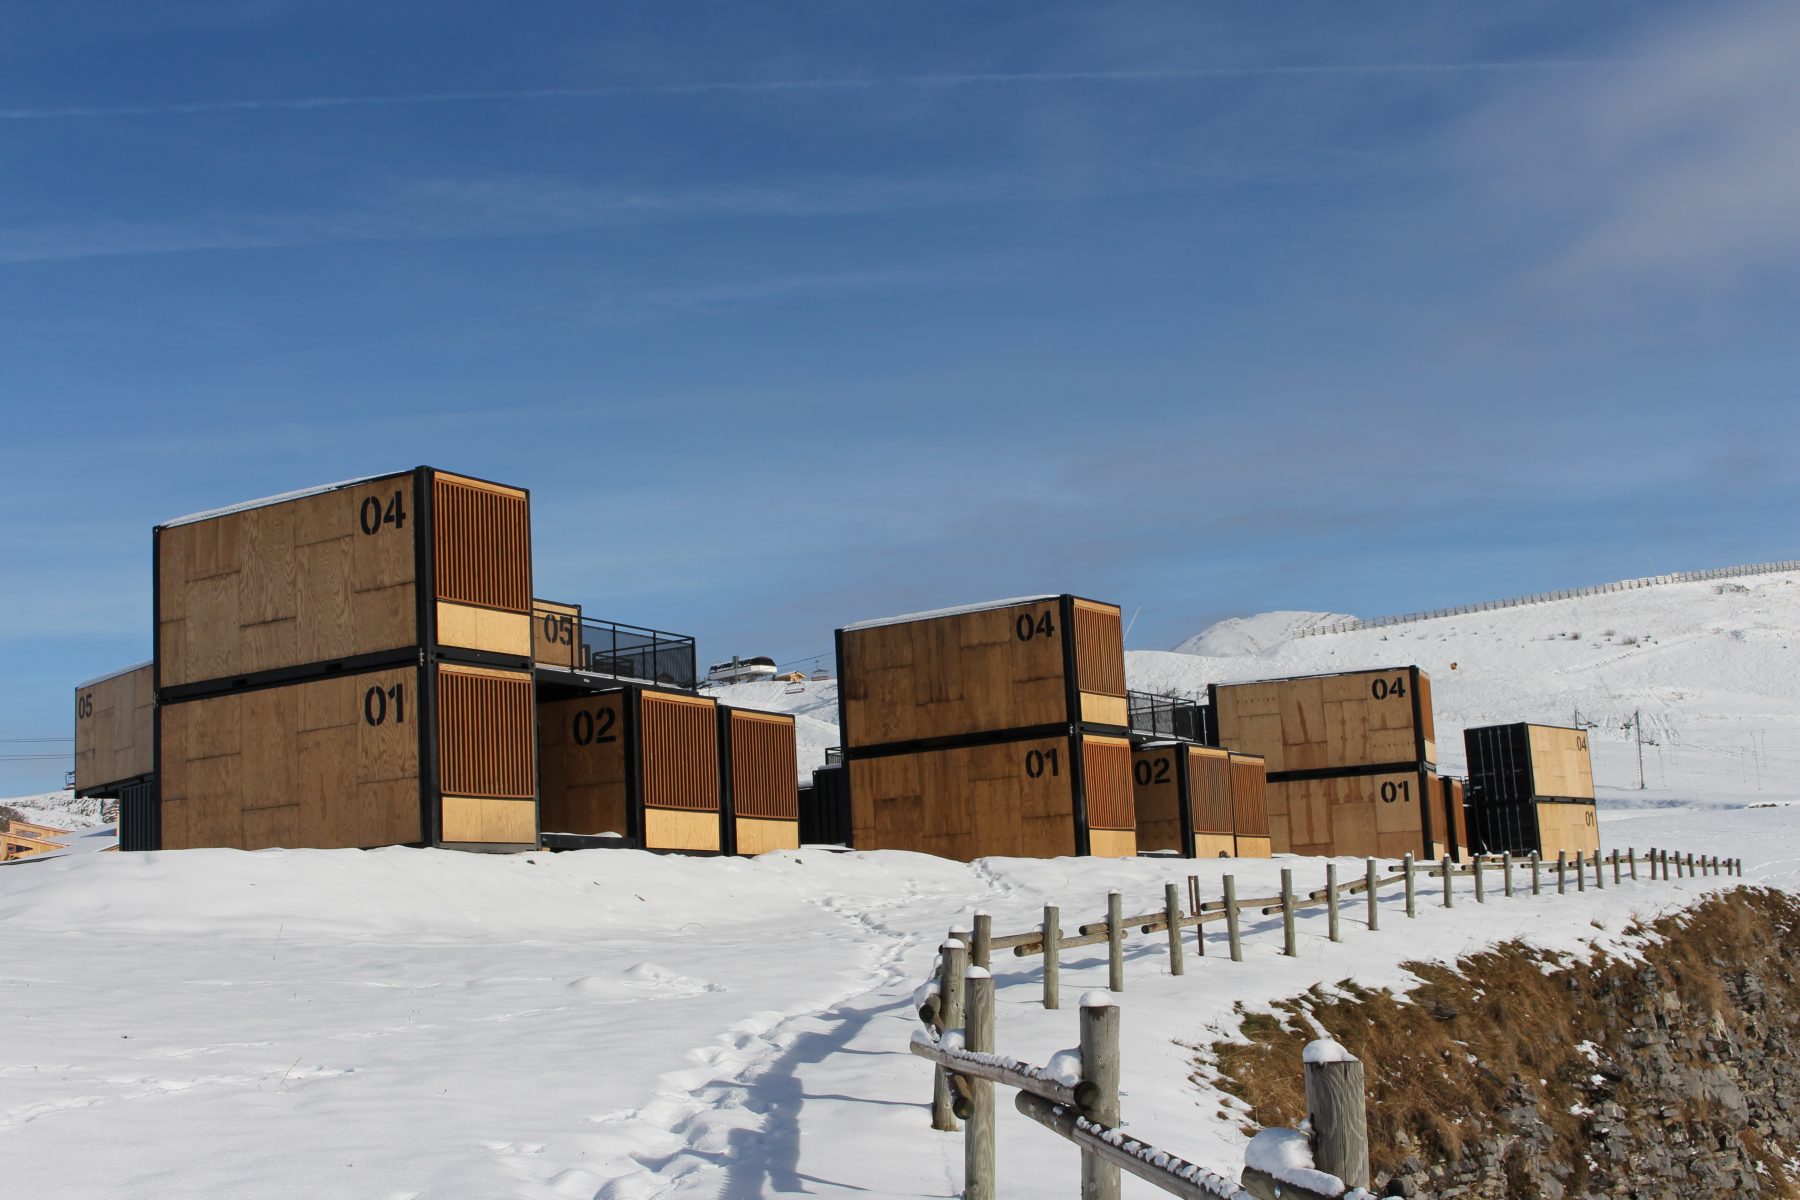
1076 1094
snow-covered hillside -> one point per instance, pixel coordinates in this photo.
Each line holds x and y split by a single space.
1714 667
61 810
629 1026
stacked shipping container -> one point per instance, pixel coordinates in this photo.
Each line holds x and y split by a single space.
997 729
1531 788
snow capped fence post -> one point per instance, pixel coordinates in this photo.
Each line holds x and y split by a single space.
1506 867
1338 1107
982 948
1172 913
1331 901
1369 884
954 956
1052 968
1449 878
978 1141
1289 947
1100 1067
1115 943
1231 919
1562 866
1412 904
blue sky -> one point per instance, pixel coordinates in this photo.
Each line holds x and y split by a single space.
796 314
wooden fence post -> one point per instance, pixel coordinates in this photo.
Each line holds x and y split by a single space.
1369 877
1115 943
1599 872
1194 906
1331 900
1480 896
1615 864
1231 919
1100 1067
1690 864
1338 1107
1412 908
978 1140
1537 862
1562 866
1052 965
1448 880
1289 946
954 957
982 948
1631 858
1172 913
1580 872
1506 868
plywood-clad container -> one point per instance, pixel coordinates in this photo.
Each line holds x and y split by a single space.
115 731
1183 794
1330 723
556 634
636 763
346 576
1033 797
1450 824
1250 806
1011 666
1531 788
353 760
760 781
1381 815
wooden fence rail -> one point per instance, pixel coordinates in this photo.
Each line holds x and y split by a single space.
1077 1094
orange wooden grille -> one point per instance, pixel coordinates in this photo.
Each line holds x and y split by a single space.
1458 815
1106 775
1209 786
482 540
1099 652
485 736
1250 797
681 753
763 781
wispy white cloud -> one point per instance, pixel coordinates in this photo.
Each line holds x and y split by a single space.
1681 166
791 86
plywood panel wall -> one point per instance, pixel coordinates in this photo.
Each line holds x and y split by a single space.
1569 828
1354 815
1013 798
1560 763
1327 722
115 729
333 762
584 787
317 579
1156 791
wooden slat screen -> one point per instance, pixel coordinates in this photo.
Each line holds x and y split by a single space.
1457 816
1106 777
1209 787
482 541
681 753
1250 796
763 779
486 736
1099 650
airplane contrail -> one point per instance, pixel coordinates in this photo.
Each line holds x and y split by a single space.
1170 75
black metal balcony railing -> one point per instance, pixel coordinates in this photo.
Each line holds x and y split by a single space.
1170 717
630 652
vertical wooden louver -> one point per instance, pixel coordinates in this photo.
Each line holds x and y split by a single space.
1099 650
763 782
1106 776
1209 792
681 752
486 736
481 536
1250 796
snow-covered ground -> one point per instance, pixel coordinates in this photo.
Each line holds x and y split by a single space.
614 1024
419 1023
1714 667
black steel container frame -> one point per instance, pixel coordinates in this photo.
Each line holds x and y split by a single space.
829 806
1202 726
661 641
1506 815
426 656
